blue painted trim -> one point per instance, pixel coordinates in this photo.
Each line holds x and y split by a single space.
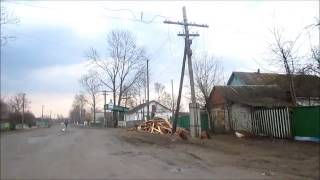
314 139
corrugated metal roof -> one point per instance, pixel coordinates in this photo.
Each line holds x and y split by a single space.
255 95
305 85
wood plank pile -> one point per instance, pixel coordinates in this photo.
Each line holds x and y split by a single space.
160 126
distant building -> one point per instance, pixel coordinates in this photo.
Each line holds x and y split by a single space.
139 113
100 118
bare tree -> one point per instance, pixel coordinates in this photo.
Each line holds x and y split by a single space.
159 89
4 109
123 67
6 18
315 57
129 96
208 73
163 97
312 66
285 53
77 112
18 102
92 85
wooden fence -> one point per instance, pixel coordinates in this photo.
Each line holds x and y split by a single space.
273 122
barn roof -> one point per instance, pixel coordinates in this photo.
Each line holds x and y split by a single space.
305 85
255 95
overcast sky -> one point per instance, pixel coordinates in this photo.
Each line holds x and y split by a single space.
46 58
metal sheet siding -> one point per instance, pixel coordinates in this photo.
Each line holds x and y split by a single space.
306 121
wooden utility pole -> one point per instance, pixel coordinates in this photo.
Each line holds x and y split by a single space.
80 114
172 96
193 106
176 115
42 112
104 109
148 117
142 110
23 106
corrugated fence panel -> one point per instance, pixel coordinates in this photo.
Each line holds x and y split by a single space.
306 121
184 122
204 121
274 122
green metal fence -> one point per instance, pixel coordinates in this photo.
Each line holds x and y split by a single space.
204 121
184 121
306 122
42 123
97 124
5 126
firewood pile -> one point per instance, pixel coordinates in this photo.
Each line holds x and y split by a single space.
160 126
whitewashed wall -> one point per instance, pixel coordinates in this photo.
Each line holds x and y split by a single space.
138 115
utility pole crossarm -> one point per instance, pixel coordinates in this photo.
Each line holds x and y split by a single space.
188 34
185 24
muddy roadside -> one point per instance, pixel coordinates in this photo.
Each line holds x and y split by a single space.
273 158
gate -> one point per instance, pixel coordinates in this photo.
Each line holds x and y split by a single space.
306 122
184 121
273 122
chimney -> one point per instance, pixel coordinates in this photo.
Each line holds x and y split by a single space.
258 71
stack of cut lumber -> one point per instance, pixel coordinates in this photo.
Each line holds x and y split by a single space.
157 126
160 126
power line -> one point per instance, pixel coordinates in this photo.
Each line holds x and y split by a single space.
30 5
129 10
135 19
156 51
141 16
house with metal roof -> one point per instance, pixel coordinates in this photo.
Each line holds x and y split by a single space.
233 107
307 87
139 113
260 102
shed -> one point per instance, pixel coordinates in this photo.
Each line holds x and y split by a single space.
235 107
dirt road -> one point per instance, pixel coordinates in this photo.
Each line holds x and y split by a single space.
83 153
